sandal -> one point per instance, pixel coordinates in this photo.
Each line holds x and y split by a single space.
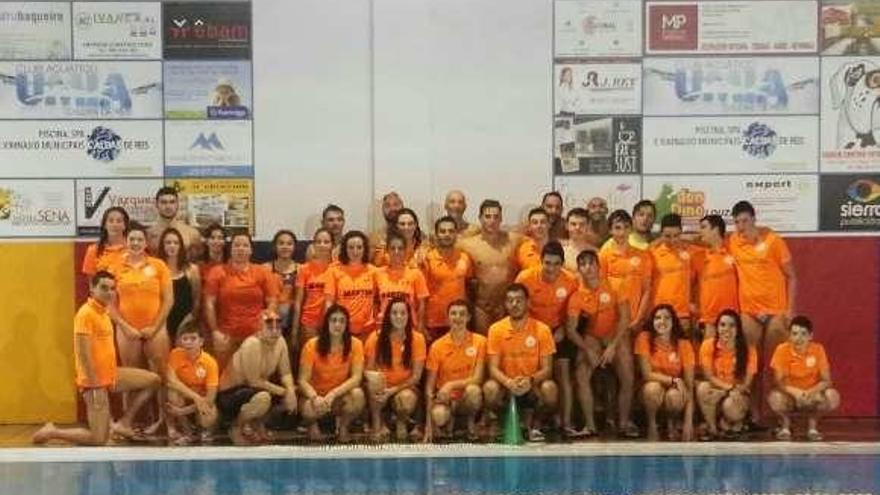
813 435
536 435
630 431
784 434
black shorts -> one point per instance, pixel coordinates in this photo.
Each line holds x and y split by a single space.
566 350
528 400
229 401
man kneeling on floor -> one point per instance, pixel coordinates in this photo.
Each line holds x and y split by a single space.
97 374
246 394
520 350
192 381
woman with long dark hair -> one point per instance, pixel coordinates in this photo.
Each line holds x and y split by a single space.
284 268
406 224
330 372
666 359
395 360
352 283
185 280
110 248
729 366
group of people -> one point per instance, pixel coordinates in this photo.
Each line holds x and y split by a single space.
425 337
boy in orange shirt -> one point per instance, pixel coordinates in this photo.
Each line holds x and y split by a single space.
456 363
520 350
97 374
803 380
447 271
192 380
715 274
672 278
528 253
628 269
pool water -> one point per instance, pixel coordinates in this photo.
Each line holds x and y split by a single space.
631 475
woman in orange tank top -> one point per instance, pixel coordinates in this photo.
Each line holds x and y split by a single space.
111 243
309 296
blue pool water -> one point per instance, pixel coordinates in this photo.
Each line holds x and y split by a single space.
633 475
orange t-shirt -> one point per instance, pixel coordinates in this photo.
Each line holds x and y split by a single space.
92 321
626 271
354 287
311 279
140 290
722 362
801 371
665 358
111 257
547 300
528 254
397 373
453 361
205 268
520 351
599 305
241 297
716 271
408 283
413 256
672 277
762 285
198 375
332 370
446 278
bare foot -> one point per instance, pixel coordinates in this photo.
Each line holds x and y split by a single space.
44 434
124 431
314 434
400 432
343 436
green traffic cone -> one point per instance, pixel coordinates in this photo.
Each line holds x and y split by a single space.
512 432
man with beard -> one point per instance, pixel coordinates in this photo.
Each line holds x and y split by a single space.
447 271
552 204
455 206
597 229
392 203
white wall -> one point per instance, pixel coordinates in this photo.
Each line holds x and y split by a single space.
353 99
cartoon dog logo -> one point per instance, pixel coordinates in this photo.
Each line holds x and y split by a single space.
855 94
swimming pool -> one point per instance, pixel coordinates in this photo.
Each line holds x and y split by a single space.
449 474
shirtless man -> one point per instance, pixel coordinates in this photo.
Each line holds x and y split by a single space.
167 204
455 206
552 204
579 238
493 253
597 229
246 394
391 204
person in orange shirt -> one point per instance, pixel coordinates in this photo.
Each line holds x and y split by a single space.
520 350
395 360
598 334
579 238
283 269
309 300
767 287
216 250
667 361
97 374
528 253
447 271
673 275
643 215
715 274
110 248
803 380
455 367
399 280
145 297
351 283
330 373
236 294
628 269
405 224
332 221
729 366
391 204
192 380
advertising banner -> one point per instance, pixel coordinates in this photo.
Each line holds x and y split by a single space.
36 208
598 89
786 203
74 149
35 30
228 202
207 30
598 28
850 114
747 144
731 26
126 30
208 90
718 86
850 203
208 149
80 90
95 196
597 145
850 27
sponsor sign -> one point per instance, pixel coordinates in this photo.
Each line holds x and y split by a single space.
850 27
783 202
850 203
747 144
620 191
35 30
208 149
207 30
597 145
80 148
107 30
94 197
850 114
80 90
714 86
598 28
598 89
218 90
731 26
228 202
36 208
